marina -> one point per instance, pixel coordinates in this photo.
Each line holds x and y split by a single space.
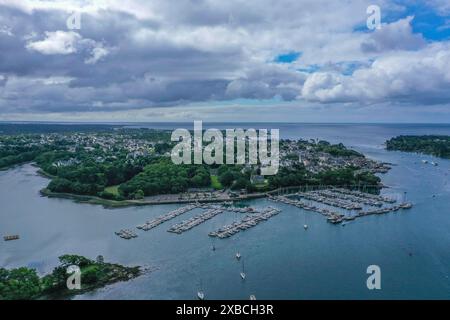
362 203
336 204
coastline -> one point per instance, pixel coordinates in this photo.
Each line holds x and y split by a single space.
111 204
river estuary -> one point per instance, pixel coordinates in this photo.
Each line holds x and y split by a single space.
282 260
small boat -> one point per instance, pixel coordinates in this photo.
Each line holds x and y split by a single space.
9 238
238 256
252 297
305 226
200 293
243 273
425 161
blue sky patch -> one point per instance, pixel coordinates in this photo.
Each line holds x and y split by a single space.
427 21
288 57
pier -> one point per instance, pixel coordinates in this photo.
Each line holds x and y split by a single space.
323 197
194 221
350 197
126 234
364 195
249 221
166 217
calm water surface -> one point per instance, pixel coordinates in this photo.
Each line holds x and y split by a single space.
282 260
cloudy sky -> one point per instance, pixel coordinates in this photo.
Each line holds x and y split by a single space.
215 60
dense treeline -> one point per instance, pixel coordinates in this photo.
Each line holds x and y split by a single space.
438 146
17 154
25 284
163 176
235 178
87 177
299 176
338 150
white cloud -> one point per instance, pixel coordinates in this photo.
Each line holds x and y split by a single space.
419 76
6 30
394 36
57 42
68 42
98 53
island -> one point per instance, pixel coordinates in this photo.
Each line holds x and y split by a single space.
25 284
120 166
435 145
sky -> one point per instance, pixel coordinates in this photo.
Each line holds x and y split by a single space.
216 61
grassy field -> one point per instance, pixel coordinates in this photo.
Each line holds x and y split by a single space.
215 183
262 186
113 190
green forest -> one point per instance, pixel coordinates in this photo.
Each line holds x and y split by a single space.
25 284
438 146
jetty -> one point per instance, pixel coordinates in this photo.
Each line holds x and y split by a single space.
325 198
194 221
249 221
126 234
361 200
364 195
166 217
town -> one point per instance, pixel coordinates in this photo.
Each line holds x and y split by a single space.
121 164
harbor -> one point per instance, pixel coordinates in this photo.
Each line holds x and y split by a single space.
336 204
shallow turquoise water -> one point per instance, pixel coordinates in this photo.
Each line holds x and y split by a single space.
282 260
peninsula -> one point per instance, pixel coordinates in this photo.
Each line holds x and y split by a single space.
25 284
435 145
120 166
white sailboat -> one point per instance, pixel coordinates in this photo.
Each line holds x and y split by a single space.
243 271
305 226
200 293
238 255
